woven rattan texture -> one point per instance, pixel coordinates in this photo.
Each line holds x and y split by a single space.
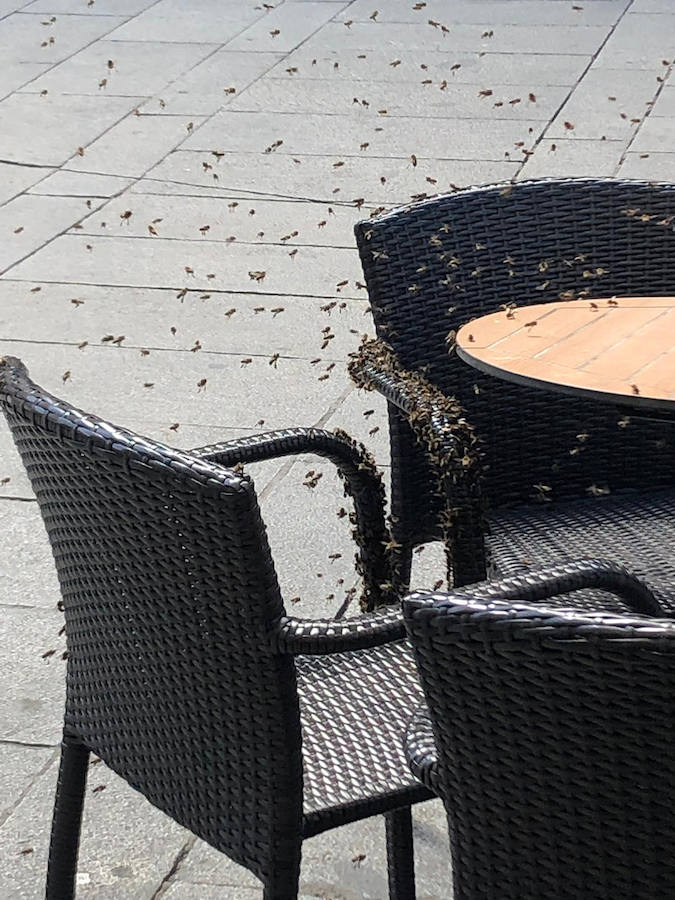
554 734
355 709
637 528
434 266
168 590
181 661
420 749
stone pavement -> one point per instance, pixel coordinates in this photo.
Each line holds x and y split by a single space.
178 184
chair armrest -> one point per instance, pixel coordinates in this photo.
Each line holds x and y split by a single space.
440 426
420 749
319 637
362 481
538 585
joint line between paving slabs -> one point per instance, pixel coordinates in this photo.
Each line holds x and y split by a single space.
290 462
58 234
573 88
134 179
644 118
154 287
24 793
180 857
99 37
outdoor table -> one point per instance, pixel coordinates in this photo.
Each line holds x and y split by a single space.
619 350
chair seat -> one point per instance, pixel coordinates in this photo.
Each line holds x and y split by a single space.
636 529
355 708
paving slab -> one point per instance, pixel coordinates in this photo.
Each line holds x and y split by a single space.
359 414
605 103
651 6
655 135
30 221
285 27
171 21
576 158
31 37
219 322
312 583
489 12
134 145
648 166
576 39
235 395
66 123
65 183
247 268
98 8
665 102
139 69
32 707
14 179
19 767
293 224
361 135
14 75
371 181
384 64
623 51
212 84
126 849
445 100
9 6
14 482
27 573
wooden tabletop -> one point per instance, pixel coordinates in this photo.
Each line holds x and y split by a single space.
620 349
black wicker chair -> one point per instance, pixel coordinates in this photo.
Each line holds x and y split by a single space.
557 477
549 735
185 675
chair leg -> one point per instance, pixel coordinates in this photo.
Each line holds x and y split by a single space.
400 857
65 839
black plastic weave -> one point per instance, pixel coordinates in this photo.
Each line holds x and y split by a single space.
549 737
184 674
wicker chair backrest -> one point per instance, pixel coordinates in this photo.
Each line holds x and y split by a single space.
554 733
431 267
170 599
